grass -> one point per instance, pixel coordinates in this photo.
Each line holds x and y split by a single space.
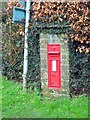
19 104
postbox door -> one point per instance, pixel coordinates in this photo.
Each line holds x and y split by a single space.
54 72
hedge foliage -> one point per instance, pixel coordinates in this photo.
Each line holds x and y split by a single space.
12 47
77 13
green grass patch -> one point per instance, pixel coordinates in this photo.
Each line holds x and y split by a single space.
19 104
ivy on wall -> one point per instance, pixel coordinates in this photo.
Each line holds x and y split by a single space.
79 71
79 62
34 46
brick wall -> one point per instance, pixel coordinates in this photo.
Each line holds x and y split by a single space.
63 41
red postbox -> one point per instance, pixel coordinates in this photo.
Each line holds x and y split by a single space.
54 69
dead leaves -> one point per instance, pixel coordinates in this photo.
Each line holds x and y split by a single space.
77 13
43 9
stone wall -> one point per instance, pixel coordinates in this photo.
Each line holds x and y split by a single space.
63 41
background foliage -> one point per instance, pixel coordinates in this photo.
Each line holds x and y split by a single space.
71 18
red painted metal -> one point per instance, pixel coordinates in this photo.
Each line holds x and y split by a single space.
54 68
